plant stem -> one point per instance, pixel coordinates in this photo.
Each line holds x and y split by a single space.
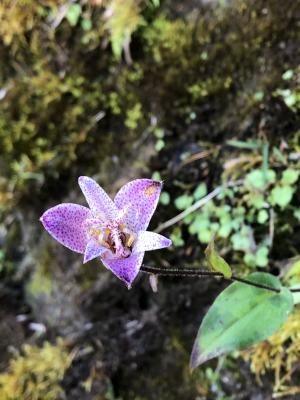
203 273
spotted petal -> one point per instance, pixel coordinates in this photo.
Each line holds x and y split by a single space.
150 241
139 200
93 250
125 269
100 203
66 223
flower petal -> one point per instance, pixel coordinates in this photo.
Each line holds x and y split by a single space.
139 200
98 200
66 223
93 250
125 269
146 241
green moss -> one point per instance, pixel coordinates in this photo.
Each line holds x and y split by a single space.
225 57
58 80
279 354
36 373
42 283
52 105
133 116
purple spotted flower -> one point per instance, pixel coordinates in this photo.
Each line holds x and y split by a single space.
115 230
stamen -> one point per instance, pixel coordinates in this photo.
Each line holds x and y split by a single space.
104 244
130 240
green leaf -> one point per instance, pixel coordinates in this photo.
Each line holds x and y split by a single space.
159 145
289 97
250 260
200 191
250 144
261 256
297 214
279 155
200 222
256 200
288 75
176 237
73 14
156 176
289 176
243 239
159 133
258 179
86 24
225 230
164 198
216 262
262 216
241 316
156 3
204 235
183 202
259 96
281 195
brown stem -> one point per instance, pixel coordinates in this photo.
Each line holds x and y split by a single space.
203 273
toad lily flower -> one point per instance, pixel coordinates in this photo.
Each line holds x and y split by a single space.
115 230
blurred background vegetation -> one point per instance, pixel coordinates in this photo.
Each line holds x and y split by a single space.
203 94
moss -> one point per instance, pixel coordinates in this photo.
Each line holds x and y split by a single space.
225 56
53 105
40 282
279 354
63 108
19 18
36 373
123 20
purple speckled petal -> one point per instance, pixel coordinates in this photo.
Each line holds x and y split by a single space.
150 241
100 203
139 200
93 250
66 223
125 269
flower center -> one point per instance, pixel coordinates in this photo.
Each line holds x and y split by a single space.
114 236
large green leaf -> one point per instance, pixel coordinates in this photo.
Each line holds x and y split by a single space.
241 316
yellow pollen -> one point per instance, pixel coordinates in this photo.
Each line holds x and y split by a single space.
94 232
129 241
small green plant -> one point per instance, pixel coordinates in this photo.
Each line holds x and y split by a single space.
245 213
290 91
